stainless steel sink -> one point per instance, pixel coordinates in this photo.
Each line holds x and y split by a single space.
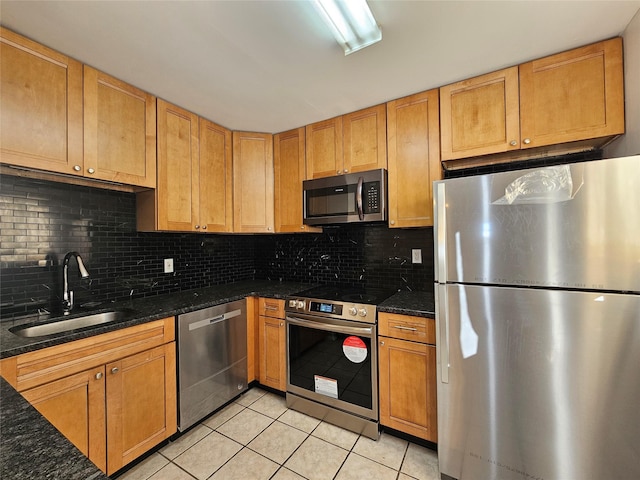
66 325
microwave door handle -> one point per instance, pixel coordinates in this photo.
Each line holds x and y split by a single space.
359 198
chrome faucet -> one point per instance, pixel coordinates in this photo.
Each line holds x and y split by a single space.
67 295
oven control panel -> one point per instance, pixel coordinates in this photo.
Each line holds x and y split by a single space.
344 310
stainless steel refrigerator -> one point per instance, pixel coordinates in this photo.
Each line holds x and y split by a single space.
538 323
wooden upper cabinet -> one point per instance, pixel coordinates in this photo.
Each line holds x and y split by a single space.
177 192
40 106
215 173
119 131
355 142
194 176
289 173
413 137
324 148
480 115
365 139
572 96
253 191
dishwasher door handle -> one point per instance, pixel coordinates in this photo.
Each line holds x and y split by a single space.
212 321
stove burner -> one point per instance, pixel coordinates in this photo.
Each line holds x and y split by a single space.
351 294
359 298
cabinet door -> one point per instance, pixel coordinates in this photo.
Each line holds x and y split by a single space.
571 96
75 406
273 353
324 148
215 173
141 404
365 140
414 158
480 115
253 209
177 193
408 387
289 173
119 131
40 105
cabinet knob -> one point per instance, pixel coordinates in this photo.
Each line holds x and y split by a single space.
114 370
197 227
77 168
91 170
513 143
98 375
346 171
302 227
269 229
392 222
381 343
282 324
204 227
527 141
339 172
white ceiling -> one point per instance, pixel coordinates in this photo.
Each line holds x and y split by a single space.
269 66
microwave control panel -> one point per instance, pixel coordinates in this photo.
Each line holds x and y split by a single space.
371 200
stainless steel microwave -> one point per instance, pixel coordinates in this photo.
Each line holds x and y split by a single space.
354 197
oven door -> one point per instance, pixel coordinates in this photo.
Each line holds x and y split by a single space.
333 362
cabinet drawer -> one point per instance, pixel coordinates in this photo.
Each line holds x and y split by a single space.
42 366
271 307
407 327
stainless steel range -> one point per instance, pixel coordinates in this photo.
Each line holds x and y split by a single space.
332 357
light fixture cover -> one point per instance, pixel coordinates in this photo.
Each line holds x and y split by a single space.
351 22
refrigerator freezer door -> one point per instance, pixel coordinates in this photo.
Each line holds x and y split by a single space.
551 391
573 226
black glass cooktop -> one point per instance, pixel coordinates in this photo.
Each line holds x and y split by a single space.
371 296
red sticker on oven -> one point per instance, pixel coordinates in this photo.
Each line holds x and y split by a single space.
354 349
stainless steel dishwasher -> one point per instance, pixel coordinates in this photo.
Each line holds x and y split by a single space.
212 360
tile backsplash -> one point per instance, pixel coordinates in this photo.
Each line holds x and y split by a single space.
40 221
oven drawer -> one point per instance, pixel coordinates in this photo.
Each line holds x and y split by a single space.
407 327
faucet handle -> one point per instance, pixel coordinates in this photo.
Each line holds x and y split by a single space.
67 303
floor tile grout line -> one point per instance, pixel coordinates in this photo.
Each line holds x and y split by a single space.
280 465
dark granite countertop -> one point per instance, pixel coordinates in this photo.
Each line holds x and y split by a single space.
143 310
419 304
32 448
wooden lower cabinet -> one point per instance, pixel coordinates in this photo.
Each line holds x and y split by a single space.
120 405
75 406
272 344
141 404
407 371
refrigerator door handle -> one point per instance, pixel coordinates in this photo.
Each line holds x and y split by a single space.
442 310
440 233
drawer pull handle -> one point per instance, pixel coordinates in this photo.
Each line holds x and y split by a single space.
270 307
410 329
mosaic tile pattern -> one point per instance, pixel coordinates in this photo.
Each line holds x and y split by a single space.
40 221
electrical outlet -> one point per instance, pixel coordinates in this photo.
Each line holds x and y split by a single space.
168 265
416 255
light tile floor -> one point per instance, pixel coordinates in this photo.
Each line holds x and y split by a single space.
257 438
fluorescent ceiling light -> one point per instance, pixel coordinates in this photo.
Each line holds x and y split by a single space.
351 22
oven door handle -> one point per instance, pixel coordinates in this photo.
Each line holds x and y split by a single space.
364 331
